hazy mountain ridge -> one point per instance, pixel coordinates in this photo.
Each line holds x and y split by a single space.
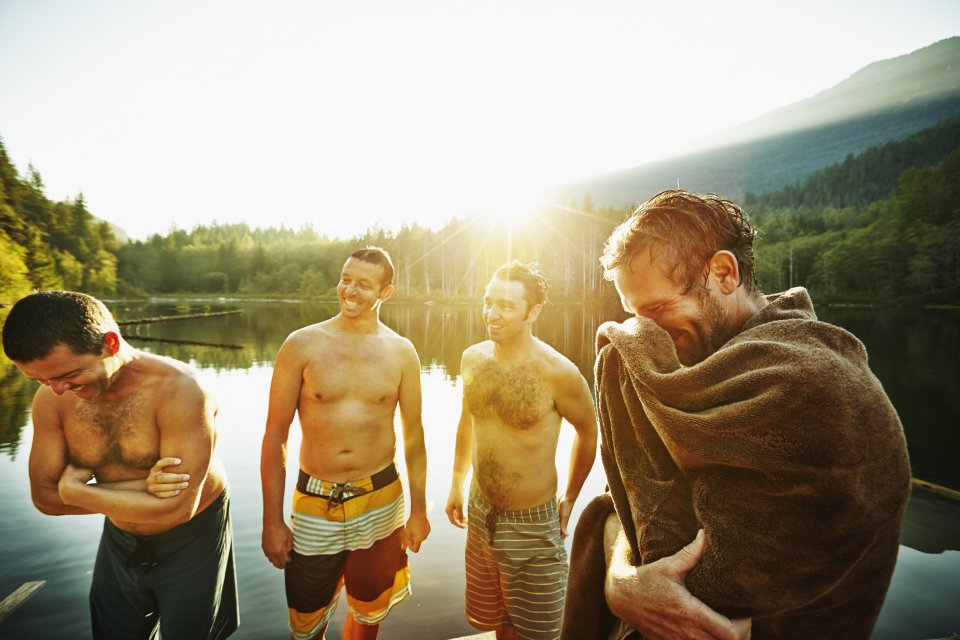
885 101
865 178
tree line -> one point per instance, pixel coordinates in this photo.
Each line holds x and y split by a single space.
50 245
902 248
883 226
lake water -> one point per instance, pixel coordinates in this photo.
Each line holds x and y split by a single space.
915 354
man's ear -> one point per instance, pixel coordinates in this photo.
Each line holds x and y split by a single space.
386 292
725 271
111 342
534 313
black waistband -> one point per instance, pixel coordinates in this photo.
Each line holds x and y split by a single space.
378 480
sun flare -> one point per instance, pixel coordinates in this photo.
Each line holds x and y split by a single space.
514 207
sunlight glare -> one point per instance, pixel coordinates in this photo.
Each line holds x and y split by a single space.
513 206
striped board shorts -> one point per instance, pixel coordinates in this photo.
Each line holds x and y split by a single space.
516 568
346 534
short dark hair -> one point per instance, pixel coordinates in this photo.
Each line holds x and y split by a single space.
684 230
379 257
530 276
45 319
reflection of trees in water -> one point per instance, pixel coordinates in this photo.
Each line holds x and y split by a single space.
441 333
16 396
915 353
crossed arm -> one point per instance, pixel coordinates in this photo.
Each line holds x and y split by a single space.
186 433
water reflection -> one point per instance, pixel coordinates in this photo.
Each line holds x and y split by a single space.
914 354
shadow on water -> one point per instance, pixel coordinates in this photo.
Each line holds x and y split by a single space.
913 353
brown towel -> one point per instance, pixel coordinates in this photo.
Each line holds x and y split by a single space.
782 445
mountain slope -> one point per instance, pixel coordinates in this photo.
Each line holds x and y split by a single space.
884 101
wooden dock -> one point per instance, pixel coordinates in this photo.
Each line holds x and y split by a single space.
18 597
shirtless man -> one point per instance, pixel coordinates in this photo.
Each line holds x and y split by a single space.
345 378
516 392
108 411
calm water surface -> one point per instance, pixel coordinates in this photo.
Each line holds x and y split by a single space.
913 353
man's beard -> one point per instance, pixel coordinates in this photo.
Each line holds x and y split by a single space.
715 328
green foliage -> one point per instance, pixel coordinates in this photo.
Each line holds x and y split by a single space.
13 270
863 179
881 226
904 248
59 244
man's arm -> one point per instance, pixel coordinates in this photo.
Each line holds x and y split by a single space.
277 540
159 482
186 421
414 449
48 457
652 598
462 458
575 405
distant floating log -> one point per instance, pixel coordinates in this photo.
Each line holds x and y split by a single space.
186 316
191 343
953 493
18 597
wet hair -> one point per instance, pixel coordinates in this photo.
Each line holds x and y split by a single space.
43 320
683 230
530 276
378 257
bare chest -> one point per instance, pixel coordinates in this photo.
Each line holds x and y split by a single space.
113 436
361 373
515 394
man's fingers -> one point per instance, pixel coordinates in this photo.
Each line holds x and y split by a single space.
279 560
742 628
683 561
170 478
455 516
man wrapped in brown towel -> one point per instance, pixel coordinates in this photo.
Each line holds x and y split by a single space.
740 414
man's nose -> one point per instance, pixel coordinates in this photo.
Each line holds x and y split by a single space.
59 387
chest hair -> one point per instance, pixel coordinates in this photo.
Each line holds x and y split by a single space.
514 393
113 434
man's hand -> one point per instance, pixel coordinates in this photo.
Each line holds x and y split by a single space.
70 478
653 600
454 509
416 531
277 544
564 509
162 484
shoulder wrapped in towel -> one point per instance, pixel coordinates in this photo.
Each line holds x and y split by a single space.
782 446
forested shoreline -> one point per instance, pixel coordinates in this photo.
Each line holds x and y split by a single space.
882 227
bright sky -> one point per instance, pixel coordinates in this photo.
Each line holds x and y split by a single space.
349 114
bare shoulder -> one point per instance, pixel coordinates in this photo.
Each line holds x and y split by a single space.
309 335
305 344
396 344
172 377
48 405
556 367
477 353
